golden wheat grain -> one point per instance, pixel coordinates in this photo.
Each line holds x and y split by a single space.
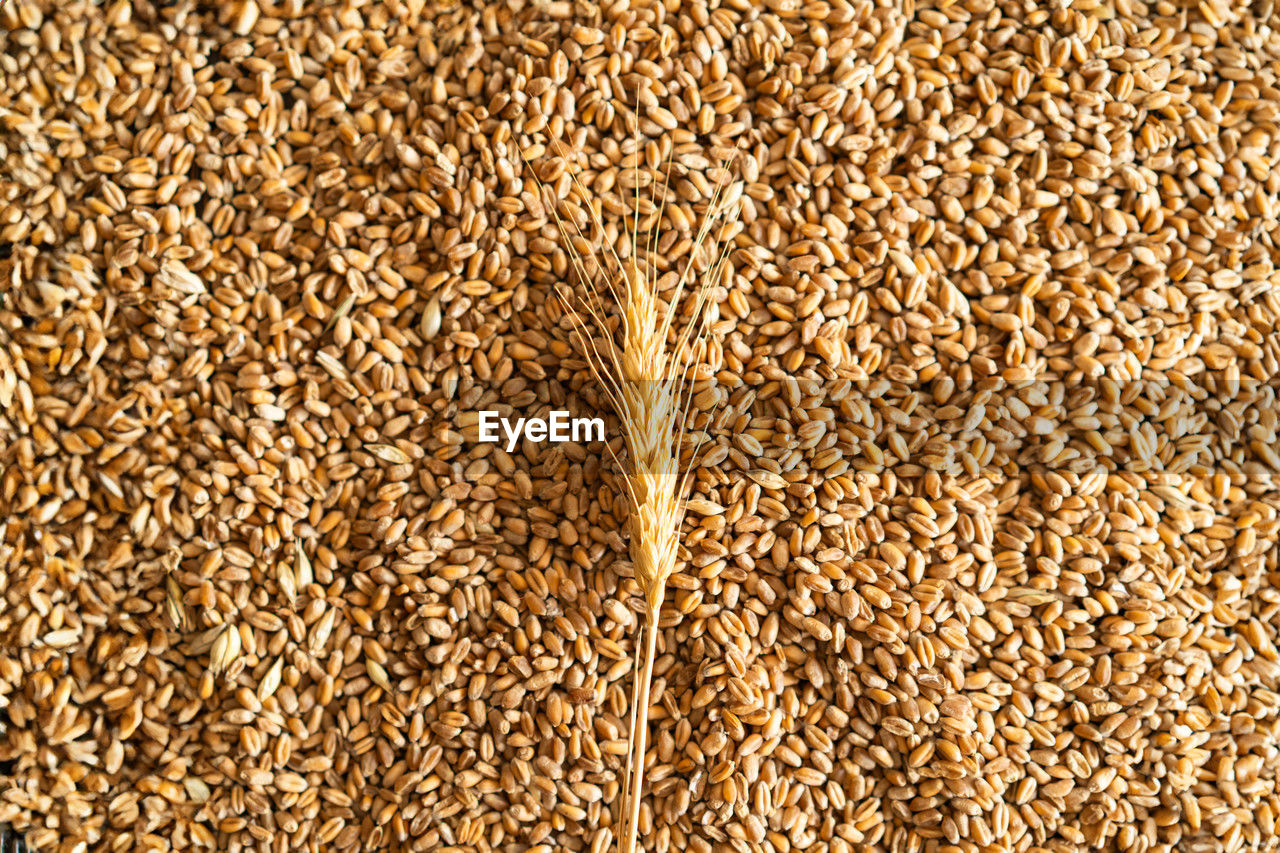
226 648
228 290
174 606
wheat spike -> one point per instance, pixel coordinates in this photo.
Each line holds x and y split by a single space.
646 378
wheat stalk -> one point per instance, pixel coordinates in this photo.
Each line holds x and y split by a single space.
645 368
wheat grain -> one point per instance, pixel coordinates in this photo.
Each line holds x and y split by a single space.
982 547
225 649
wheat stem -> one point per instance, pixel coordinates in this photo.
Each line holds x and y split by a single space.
639 732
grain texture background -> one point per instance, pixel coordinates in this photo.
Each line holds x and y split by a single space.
982 554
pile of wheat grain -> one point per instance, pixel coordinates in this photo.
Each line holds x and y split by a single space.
981 551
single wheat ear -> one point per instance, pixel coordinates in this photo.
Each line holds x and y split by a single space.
644 363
